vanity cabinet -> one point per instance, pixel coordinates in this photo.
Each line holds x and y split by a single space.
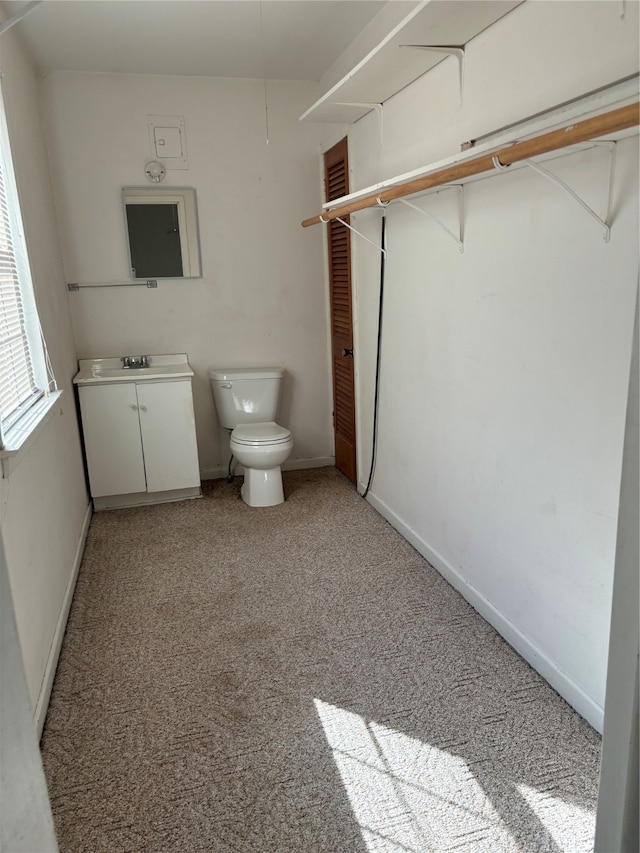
140 441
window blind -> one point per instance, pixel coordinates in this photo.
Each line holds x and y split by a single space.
25 372
18 388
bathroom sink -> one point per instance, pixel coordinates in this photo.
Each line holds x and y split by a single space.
95 370
123 372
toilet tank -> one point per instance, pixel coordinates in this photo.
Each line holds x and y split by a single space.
246 395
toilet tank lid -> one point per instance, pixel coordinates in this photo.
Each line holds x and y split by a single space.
228 374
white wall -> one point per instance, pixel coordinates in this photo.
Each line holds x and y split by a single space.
262 299
26 822
44 506
505 368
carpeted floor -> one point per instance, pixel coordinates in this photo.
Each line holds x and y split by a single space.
298 679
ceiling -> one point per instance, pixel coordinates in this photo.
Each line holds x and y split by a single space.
274 39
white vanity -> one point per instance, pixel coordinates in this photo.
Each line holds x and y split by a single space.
139 430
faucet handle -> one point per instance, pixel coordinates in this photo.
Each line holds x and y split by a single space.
144 361
126 361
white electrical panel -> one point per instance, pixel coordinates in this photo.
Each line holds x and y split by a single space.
168 141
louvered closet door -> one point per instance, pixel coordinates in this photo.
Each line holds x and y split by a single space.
344 421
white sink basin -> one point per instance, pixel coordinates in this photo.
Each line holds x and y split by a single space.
123 372
95 370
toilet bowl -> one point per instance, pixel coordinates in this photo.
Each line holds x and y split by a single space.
261 448
246 401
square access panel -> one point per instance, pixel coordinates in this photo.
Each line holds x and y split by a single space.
168 141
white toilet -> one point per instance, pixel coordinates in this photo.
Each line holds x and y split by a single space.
247 401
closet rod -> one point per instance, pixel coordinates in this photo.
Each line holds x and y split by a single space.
583 131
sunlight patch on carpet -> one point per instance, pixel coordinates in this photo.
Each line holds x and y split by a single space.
409 796
560 819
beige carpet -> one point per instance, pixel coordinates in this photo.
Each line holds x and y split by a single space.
298 678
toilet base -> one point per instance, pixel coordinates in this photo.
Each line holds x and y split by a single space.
262 487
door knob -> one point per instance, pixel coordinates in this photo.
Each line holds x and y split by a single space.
346 352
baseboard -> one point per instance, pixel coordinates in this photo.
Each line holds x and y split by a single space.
548 669
301 464
290 465
42 704
146 498
212 473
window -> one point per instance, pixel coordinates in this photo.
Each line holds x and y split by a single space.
25 376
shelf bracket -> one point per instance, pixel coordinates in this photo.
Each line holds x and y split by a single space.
22 12
459 241
377 107
456 50
351 228
379 248
604 223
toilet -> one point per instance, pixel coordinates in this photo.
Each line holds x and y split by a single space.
246 400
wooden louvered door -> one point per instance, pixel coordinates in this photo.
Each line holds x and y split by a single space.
336 170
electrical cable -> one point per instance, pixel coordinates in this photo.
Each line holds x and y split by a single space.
264 76
376 393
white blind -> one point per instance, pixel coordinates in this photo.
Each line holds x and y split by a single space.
18 389
25 374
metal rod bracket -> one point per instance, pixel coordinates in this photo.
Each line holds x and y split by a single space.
604 223
351 228
458 240
501 167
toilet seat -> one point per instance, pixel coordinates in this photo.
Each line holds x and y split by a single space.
261 434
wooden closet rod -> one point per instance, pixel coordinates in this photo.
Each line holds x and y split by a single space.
582 131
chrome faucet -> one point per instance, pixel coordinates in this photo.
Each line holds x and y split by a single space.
131 361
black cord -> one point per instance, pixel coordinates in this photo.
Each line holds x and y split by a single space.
229 471
376 393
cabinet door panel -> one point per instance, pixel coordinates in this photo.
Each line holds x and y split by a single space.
167 424
112 439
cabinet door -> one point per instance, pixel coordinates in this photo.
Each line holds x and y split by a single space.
167 424
112 439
